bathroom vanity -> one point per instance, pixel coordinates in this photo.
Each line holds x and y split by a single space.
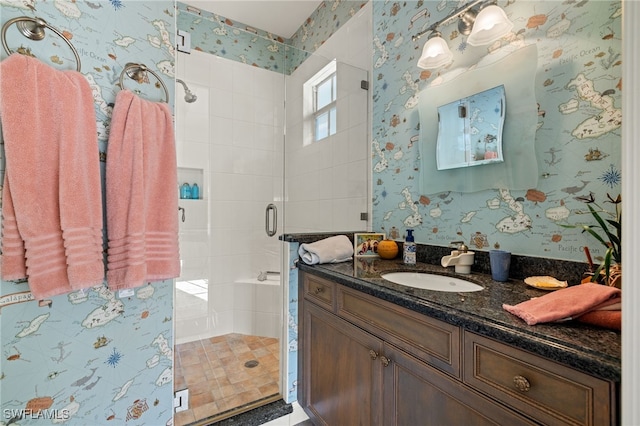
374 352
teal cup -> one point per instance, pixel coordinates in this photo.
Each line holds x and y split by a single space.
500 263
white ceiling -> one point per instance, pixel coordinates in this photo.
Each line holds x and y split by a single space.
280 17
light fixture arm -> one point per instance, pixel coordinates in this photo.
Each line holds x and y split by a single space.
453 15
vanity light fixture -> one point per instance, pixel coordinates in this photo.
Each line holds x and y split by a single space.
435 52
481 20
490 25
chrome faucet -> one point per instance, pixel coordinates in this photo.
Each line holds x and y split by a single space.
262 276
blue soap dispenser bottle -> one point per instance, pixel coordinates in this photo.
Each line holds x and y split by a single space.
185 191
409 249
195 192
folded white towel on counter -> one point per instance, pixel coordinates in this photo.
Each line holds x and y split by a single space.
330 250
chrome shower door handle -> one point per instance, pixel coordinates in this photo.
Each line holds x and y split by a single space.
271 227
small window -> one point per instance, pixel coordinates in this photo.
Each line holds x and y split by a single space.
321 93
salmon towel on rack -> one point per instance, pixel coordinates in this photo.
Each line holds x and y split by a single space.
52 201
141 194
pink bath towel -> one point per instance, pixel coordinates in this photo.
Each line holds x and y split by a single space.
567 303
142 194
52 204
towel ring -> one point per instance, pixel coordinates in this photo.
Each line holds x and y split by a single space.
33 29
136 72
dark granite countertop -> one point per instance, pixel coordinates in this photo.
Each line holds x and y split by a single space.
596 351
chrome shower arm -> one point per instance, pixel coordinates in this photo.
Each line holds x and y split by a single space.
189 96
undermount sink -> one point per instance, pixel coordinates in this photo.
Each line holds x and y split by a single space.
433 282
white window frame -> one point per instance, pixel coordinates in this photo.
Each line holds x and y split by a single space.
311 111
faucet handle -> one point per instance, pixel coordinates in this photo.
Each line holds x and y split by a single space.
461 247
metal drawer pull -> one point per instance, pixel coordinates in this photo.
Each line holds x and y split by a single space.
373 354
319 290
385 361
521 383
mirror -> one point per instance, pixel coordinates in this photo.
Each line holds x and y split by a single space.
515 70
470 130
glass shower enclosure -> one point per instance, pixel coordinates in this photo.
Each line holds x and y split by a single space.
231 304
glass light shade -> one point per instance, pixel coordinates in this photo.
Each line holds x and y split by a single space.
490 25
435 53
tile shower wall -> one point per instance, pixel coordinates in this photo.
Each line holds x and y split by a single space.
92 357
327 181
233 133
578 147
225 38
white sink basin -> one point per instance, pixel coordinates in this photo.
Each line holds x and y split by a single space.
433 282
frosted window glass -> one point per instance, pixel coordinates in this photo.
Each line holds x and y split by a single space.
332 121
322 126
334 87
519 171
324 94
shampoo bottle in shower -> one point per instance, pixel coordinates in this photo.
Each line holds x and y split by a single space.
409 249
195 192
185 191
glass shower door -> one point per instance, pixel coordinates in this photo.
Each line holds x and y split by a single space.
228 300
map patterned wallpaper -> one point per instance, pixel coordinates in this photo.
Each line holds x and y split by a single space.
92 357
578 144
234 40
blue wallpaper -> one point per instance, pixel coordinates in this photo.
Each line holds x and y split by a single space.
220 36
93 356
578 146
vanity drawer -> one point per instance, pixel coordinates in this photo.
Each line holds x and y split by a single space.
434 342
319 291
540 388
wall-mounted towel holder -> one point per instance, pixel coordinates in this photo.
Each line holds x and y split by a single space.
33 29
138 72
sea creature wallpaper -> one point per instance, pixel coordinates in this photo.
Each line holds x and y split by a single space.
92 356
578 94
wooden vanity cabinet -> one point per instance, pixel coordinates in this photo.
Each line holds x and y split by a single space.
540 388
342 382
414 393
365 361
350 376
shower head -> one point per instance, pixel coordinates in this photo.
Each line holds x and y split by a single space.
189 96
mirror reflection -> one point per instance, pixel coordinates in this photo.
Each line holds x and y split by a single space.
470 130
515 70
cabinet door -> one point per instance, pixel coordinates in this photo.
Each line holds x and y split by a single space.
342 373
418 394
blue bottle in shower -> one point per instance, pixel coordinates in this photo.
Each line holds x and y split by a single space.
195 191
185 191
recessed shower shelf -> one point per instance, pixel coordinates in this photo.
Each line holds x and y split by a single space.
191 176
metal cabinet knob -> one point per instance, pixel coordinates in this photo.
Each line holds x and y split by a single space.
385 361
373 354
318 290
521 383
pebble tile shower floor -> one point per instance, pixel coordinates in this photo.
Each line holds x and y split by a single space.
214 371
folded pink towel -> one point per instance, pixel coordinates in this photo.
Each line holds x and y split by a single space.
52 203
141 194
565 304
